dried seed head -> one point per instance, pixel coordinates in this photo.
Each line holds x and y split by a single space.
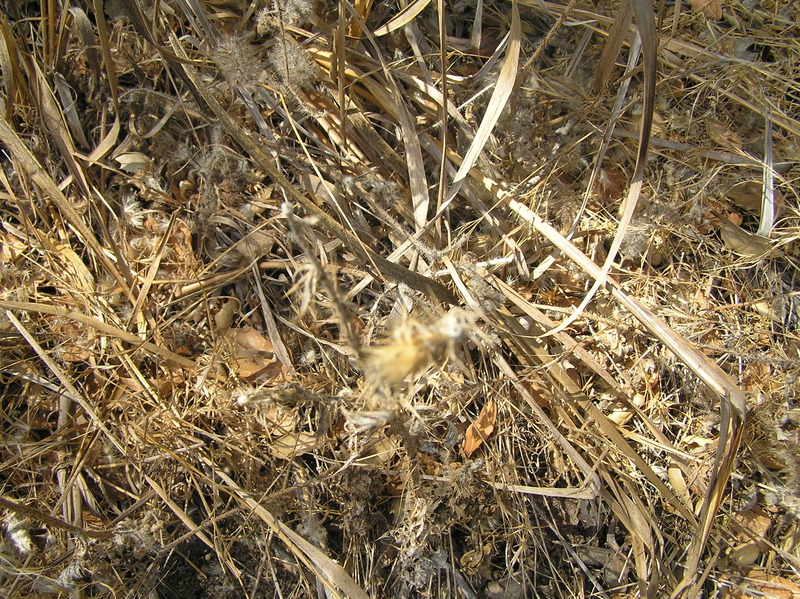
238 62
415 345
133 214
404 355
455 325
287 13
293 65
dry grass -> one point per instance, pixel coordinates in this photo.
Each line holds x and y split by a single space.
284 312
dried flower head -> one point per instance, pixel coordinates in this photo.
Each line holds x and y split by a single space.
238 63
25 536
293 65
133 214
415 345
289 13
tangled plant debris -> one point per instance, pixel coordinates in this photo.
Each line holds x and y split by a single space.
473 299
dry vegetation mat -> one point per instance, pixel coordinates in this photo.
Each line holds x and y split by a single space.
399 299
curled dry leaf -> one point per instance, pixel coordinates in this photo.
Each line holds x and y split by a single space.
722 135
743 243
759 583
293 445
224 318
481 428
133 162
255 245
253 353
710 9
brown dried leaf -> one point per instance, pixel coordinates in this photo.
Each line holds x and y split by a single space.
381 451
293 445
722 135
72 352
247 340
752 524
745 554
483 426
76 341
253 353
224 318
250 369
761 584
746 195
710 9
736 218
255 245
743 243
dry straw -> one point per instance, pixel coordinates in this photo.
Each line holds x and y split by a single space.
377 300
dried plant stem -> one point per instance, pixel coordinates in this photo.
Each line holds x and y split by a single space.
48 520
102 328
296 227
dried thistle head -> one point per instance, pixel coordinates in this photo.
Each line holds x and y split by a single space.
286 13
292 65
238 62
415 345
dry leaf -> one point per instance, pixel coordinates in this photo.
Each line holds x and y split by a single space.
759 583
722 135
710 9
132 162
72 352
253 353
12 244
620 417
741 242
752 525
254 246
775 309
224 318
483 426
756 378
736 219
292 445
747 196
247 340
538 391
379 452
76 341
251 369
611 182
745 555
